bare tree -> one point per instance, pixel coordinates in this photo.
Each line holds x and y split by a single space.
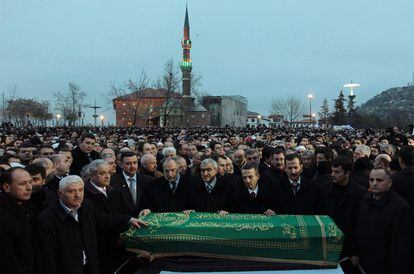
170 82
70 104
290 107
137 108
195 87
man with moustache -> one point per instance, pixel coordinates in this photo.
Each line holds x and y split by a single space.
15 223
67 231
130 184
294 194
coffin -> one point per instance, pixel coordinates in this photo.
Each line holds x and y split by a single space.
308 241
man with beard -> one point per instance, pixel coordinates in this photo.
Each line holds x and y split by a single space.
341 201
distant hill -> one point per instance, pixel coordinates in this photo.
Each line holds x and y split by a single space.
394 104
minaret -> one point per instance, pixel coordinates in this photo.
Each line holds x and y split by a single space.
186 65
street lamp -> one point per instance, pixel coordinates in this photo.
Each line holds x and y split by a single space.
57 119
102 120
313 118
258 119
310 97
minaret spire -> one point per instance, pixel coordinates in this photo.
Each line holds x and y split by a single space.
186 64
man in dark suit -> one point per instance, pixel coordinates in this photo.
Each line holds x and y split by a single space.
403 181
130 184
383 238
341 201
67 231
98 192
17 238
277 167
169 193
61 169
294 194
252 196
83 154
211 194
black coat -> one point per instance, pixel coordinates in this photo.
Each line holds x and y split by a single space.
306 201
125 204
158 197
244 203
110 252
220 197
39 201
272 176
16 246
384 235
81 159
403 184
53 184
61 238
343 208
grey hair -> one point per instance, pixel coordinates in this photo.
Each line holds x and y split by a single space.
56 158
145 158
166 150
166 161
85 173
365 150
209 161
43 162
69 180
250 151
179 158
95 165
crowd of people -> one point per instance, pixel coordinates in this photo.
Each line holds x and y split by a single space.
67 193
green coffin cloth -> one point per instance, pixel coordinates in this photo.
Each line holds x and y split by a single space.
314 240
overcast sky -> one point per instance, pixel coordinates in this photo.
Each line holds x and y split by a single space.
258 49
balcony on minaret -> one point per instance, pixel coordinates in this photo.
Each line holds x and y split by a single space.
186 44
186 65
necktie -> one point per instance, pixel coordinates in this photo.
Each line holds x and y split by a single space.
133 189
209 188
295 187
173 186
73 214
252 195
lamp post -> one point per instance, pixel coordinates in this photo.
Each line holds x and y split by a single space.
310 97
102 118
258 120
57 119
313 118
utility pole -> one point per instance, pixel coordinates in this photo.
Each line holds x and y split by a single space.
95 116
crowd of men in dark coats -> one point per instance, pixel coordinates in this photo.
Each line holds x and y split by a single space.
66 195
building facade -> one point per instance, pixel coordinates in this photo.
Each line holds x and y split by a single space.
226 110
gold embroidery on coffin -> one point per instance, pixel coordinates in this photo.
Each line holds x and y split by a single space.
289 230
175 219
